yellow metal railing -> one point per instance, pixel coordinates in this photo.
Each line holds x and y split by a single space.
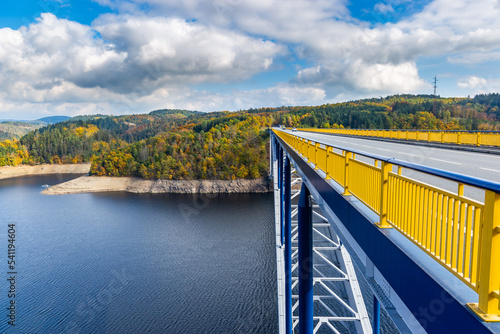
362 174
461 234
450 137
443 224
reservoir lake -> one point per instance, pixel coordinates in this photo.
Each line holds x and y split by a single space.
137 263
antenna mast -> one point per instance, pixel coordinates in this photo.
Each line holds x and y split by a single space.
435 84
434 103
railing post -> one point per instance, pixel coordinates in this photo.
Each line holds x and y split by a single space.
305 262
489 270
478 135
288 248
385 169
348 155
327 171
308 155
316 147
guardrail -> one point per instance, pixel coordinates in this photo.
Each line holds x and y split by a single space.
461 234
447 137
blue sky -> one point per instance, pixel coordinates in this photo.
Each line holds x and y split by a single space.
66 57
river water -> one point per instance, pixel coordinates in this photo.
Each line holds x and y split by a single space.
137 263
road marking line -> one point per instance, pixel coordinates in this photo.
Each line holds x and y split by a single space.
367 146
450 162
491 170
382 149
407 153
477 154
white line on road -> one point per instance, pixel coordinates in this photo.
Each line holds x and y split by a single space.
447 161
407 153
491 170
367 146
477 154
382 149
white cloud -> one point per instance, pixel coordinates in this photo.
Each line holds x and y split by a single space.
473 82
140 59
244 99
383 8
55 60
459 16
383 56
470 58
325 26
174 97
359 76
184 52
386 77
479 85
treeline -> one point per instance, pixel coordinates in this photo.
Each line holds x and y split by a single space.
234 148
12 153
15 130
206 146
179 144
491 100
65 143
400 112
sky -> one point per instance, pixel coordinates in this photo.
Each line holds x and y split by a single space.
68 57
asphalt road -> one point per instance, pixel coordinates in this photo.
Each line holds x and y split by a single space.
480 165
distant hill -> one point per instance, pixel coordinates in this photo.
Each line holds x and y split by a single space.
180 144
175 112
10 129
86 118
53 119
17 129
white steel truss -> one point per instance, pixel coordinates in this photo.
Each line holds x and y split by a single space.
338 303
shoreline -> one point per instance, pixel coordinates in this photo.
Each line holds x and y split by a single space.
94 184
7 172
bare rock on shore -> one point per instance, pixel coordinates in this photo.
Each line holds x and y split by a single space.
86 184
8 172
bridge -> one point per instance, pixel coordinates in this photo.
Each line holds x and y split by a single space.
365 228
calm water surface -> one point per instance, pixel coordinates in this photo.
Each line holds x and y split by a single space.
130 263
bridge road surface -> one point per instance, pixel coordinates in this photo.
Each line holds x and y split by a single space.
481 165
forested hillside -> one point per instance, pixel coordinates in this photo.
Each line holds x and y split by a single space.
179 144
170 144
15 130
402 112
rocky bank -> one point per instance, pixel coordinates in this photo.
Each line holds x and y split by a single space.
8 172
87 184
